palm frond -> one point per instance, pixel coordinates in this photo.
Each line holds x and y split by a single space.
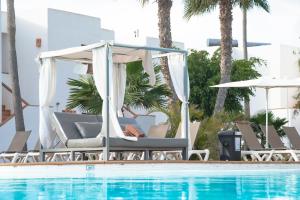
143 2
139 93
84 95
249 4
198 7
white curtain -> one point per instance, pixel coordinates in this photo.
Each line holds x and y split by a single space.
178 71
119 79
100 78
102 57
148 67
47 87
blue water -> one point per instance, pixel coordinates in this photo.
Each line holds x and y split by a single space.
279 186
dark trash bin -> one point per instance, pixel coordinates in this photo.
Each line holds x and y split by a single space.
230 145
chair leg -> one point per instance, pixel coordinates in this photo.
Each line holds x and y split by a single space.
146 155
185 154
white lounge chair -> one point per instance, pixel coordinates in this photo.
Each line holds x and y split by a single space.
293 137
257 152
201 154
16 147
32 155
281 151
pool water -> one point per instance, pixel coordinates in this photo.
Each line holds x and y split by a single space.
275 185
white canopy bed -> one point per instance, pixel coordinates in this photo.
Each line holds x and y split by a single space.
109 71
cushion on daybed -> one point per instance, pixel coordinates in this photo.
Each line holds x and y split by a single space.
88 129
131 130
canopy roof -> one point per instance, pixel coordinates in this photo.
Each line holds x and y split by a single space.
263 82
121 53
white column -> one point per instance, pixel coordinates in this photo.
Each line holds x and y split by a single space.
107 99
185 117
267 118
1 49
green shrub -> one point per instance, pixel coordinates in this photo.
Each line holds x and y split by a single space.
209 129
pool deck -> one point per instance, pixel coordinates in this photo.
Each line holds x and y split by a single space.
150 162
129 169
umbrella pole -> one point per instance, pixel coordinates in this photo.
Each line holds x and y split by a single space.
267 118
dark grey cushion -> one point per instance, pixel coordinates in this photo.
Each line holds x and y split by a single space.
66 123
67 130
88 129
149 143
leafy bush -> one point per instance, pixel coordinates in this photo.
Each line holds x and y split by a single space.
204 71
209 129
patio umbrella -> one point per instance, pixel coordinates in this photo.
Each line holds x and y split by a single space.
266 83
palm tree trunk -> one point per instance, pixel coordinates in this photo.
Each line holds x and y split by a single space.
245 53
165 39
226 51
16 94
245 50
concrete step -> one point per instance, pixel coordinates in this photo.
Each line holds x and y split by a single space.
6 114
5 117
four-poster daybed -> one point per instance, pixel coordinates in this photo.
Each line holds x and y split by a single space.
109 71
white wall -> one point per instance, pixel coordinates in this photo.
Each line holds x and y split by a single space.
282 61
154 42
29 28
31 115
1 66
65 30
59 29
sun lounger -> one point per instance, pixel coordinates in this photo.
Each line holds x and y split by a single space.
70 136
276 144
293 136
201 154
33 154
254 149
158 131
16 147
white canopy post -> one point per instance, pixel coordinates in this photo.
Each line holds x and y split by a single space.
107 88
179 76
47 86
267 117
185 111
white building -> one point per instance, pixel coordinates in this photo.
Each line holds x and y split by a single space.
282 61
54 29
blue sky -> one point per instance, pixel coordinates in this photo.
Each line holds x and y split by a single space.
282 25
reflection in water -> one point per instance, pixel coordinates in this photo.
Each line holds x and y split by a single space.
263 186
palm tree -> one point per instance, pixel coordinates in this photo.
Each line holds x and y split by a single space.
245 5
139 93
196 7
165 37
16 94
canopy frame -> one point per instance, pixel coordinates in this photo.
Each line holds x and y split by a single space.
61 55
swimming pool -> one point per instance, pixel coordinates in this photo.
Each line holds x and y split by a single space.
157 182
